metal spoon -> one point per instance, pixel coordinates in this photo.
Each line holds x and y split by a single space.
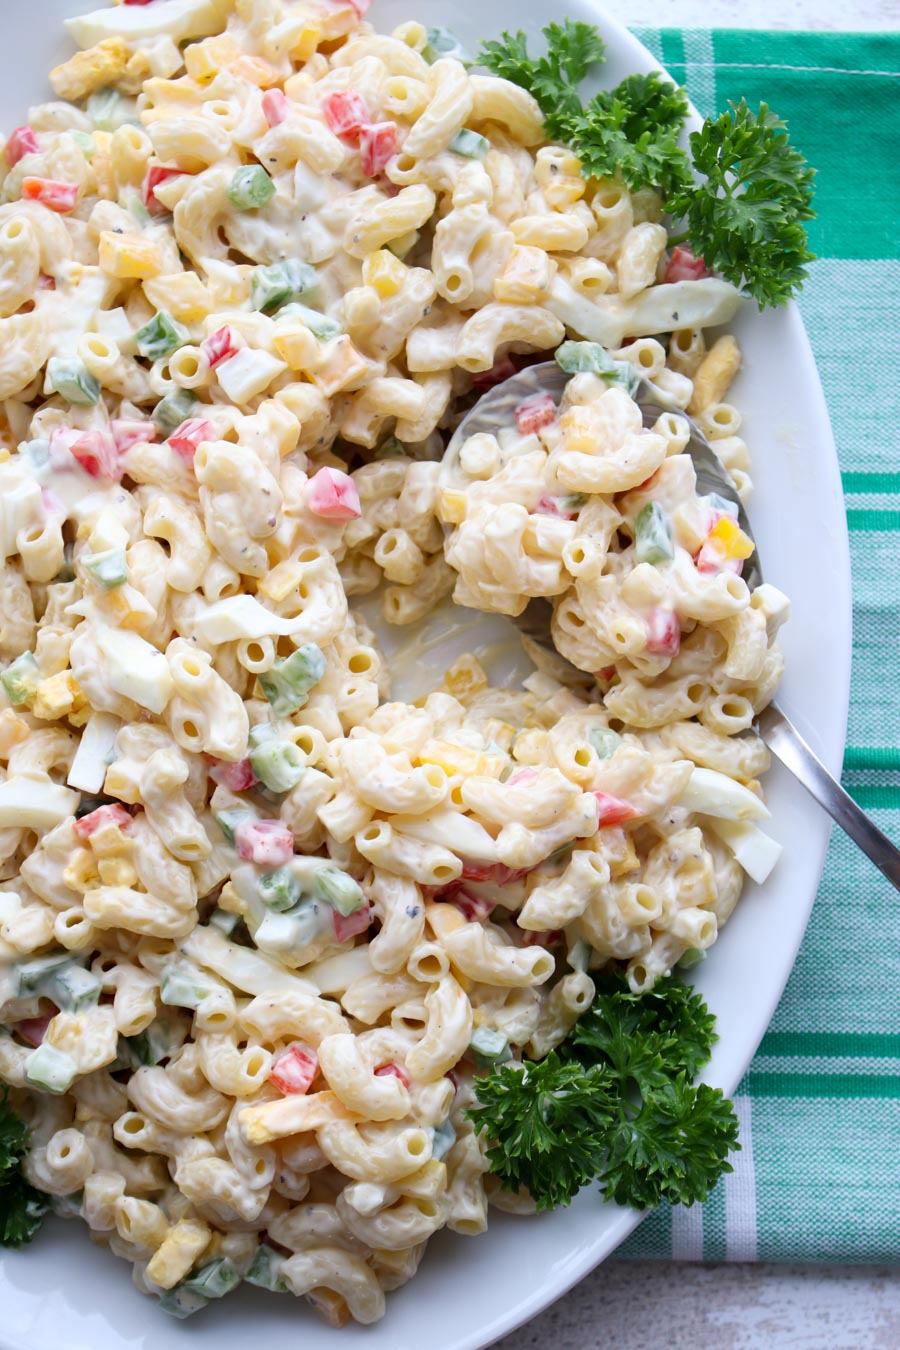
495 410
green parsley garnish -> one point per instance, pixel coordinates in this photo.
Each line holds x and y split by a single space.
633 131
572 49
21 1207
745 219
614 1104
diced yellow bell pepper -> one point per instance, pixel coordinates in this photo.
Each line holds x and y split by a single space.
300 35
384 273
526 277
255 70
283 579
203 60
342 366
730 538
128 256
451 508
181 294
579 429
184 1242
297 346
459 759
443 919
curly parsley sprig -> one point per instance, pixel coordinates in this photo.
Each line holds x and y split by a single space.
21 1207
573 48
615 1104
745 218
632 131
547 1121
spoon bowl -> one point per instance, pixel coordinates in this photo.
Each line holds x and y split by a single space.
495 410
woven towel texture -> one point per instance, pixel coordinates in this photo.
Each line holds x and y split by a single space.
819 1175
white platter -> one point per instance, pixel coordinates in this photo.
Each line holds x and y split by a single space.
65 1294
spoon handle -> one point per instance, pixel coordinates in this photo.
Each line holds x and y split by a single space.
789 746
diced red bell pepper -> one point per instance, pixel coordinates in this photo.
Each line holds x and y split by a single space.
237 777
361 6
648 482
332 494
125 434
535 413
473 908
155 175
606 674
294 1070
552 506
34 1029
711 560
346 927
548 939
276 107
111 814
683 266
185 439
51 192
522 776
96 452
477 871
21 142
500 371
392 1071
345 113
663 632
377 147
498 873
712 518
221 344
46 282
137 2
613 811
269 842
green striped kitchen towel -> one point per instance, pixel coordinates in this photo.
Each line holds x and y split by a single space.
818 1178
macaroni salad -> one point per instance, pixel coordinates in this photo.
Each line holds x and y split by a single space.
260 924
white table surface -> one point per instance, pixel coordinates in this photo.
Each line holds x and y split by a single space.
651 1305
803 14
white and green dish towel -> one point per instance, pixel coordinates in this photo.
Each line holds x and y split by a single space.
818 1178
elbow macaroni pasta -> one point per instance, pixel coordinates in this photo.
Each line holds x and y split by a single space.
253 912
